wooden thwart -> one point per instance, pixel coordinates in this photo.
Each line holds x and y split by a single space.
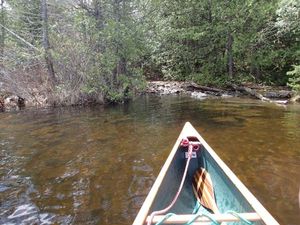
181 219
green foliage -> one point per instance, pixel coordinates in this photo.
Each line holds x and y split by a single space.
104 49
208 80
294 78
115 51
27 21
287 20
192 40
97 47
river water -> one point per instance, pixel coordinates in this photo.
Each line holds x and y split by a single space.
96 165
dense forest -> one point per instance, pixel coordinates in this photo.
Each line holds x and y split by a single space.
63 52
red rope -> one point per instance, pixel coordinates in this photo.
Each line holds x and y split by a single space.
163 211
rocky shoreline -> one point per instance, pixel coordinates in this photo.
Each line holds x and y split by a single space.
264 93
176 87
10 101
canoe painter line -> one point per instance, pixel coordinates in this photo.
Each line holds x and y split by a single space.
192 147
230 194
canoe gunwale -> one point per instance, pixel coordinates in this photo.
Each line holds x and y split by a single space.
266 217
189 130
144 211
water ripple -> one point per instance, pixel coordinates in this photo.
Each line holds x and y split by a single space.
97 165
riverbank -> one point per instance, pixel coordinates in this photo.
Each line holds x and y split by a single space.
279 95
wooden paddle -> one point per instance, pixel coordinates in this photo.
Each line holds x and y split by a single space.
204 190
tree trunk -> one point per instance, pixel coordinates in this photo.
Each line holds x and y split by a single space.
2 39
46 44
117 10
99 14
99 17
209 11
230 63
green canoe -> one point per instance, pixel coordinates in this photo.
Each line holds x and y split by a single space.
234 203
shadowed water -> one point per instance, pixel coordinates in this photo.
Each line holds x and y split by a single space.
96 165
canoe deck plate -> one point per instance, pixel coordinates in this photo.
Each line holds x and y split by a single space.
194 155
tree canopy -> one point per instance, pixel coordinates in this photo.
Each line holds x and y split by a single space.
78 51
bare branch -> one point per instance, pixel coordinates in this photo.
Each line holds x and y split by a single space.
20 38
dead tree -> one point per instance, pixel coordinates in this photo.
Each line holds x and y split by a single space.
46 44
2 39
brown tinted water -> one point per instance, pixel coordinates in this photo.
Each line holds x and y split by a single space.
96 165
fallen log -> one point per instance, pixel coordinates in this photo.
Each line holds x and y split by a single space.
258 95
250 92
193 86
282 94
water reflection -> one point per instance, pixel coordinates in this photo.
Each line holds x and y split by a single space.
96 165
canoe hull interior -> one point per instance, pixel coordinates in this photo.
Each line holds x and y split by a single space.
229 192
228 197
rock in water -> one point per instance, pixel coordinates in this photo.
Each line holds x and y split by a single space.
12 102
199 95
